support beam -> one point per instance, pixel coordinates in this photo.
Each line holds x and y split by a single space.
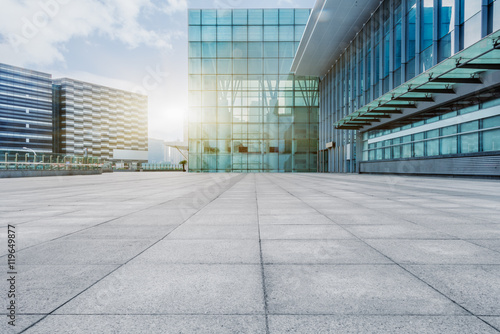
387 105
434 90
414 99
480 66
385 111
457 80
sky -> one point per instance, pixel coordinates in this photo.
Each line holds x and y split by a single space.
135 45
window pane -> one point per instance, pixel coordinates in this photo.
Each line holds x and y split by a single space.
194 16
270 16
301 16
194 82
286 16
208 49
240 17
209 16
195 49
426 59
449 145
270 33
255 16
410 32
195 33
239 50
446 17
255 66
194 66
271 49
224 49
491 140
209 33
224 66
271 66
432 147
240 66
469 143
286 49
209 82
239 33
285 65
255 33
469 126
472 30
491 122
299 31
224 17
286 33
224 33
255 50
208 66
471 8
426 24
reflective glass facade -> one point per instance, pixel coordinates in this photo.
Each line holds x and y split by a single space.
25 109
247 112
402 39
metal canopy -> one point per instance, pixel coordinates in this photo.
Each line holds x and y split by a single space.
462 68
333 24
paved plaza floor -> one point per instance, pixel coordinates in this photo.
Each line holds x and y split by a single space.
252 253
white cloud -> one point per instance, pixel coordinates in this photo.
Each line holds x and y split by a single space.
35 31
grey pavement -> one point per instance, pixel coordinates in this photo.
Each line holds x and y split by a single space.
252 253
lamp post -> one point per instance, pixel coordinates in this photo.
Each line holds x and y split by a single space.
34 156
29 149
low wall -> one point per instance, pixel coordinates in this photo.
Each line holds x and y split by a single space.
466 165
38 173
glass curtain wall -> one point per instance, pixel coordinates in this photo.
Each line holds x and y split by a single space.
402 39
247 112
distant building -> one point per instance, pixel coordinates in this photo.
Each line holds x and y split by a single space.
175 152
25 109
109 123
156 151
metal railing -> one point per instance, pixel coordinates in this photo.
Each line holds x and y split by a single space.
160 167
22 160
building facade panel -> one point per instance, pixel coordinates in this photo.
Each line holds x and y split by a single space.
247 112
99 119
25 109
402 40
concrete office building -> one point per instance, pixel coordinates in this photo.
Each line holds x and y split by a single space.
108 123
247 112
25 109
407 86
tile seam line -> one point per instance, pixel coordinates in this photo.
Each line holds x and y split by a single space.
452 237
397 264
64 213
263 275
131 259
419 189
90 227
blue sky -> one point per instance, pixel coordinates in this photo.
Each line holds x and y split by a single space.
138 45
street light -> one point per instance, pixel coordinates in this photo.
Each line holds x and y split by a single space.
29 149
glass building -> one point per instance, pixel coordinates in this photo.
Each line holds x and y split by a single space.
416 90
25 109
247 112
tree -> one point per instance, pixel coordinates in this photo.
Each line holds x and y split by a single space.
183 162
